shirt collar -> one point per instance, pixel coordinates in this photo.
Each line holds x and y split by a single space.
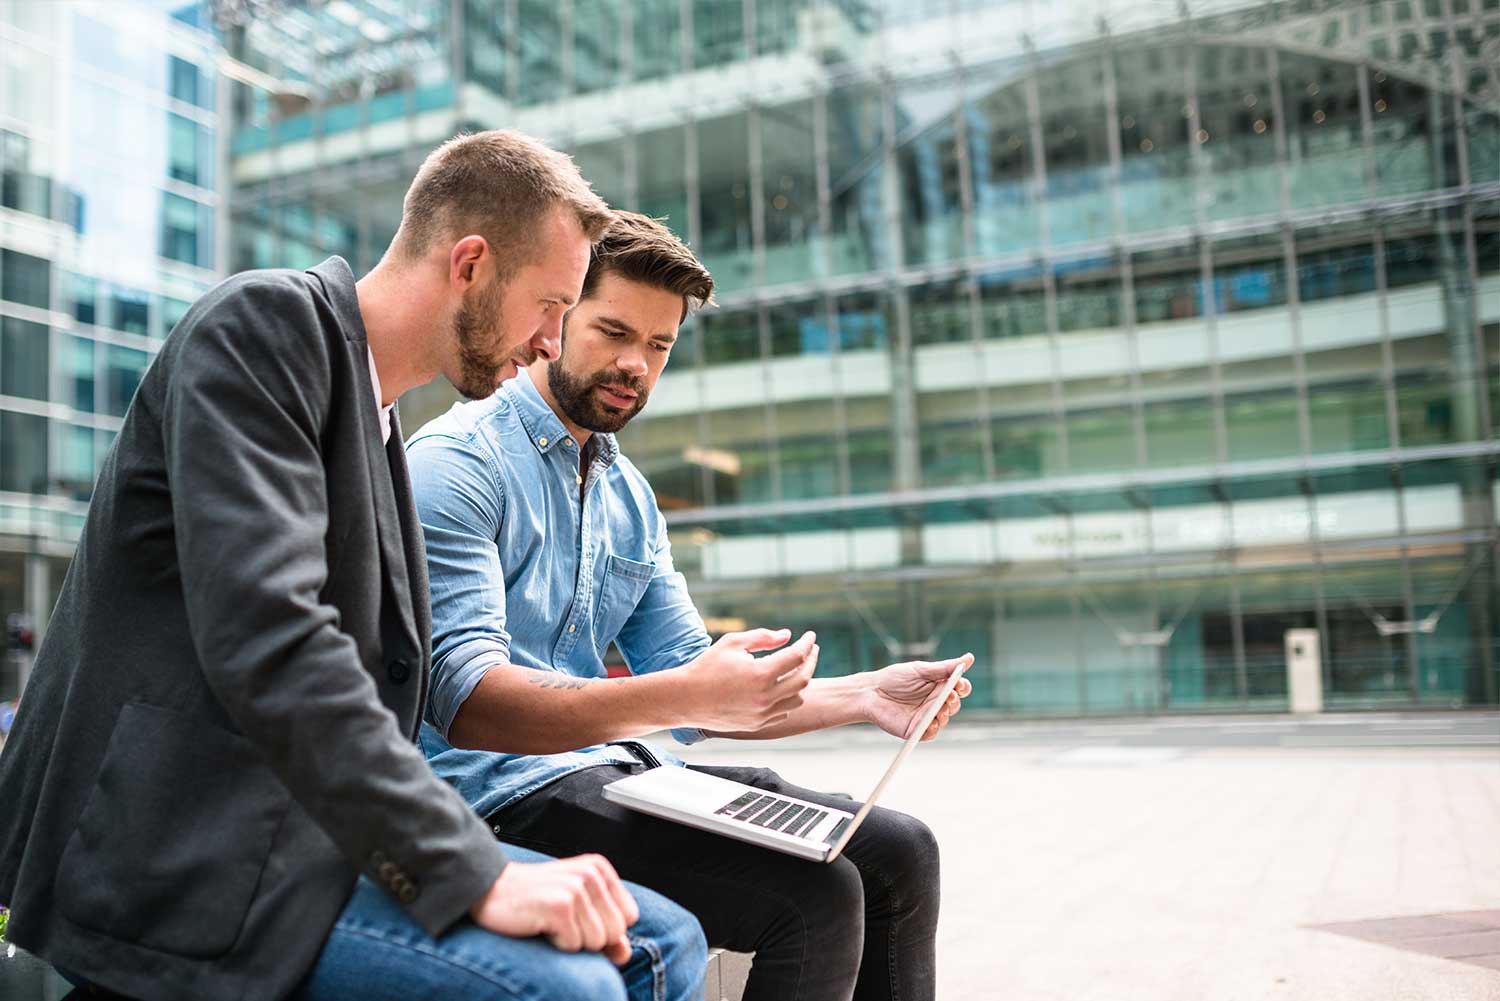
545 428
385 412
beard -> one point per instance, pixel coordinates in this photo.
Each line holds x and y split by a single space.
479 364
581 405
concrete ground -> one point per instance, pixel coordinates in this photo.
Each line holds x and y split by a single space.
1189 859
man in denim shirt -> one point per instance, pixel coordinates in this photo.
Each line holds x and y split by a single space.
544 545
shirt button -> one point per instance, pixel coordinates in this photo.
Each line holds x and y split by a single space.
577 479
572 627
542 442
567 443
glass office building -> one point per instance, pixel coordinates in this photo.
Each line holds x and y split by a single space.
108 203
1108 340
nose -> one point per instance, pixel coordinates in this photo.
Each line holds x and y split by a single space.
547 341
632 361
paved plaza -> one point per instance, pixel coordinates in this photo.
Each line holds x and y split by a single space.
1229 859
1189 860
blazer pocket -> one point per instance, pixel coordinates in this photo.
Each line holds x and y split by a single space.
173 838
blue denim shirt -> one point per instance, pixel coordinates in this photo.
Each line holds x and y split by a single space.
521 573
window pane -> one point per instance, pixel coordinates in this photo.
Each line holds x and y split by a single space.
23 453
25 279
122 374
23 358
1156 155
78 372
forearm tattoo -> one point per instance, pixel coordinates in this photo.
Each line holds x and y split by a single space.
556 679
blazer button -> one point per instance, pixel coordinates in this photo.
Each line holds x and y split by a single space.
407 893
398 671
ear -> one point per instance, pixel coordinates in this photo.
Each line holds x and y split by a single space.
466 262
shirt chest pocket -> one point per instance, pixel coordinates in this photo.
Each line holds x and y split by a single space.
625 582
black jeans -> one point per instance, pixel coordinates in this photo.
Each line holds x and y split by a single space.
862 927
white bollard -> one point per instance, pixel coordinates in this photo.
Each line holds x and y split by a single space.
1304 670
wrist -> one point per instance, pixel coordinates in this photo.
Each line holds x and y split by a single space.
867 695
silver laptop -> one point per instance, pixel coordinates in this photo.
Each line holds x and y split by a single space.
736 810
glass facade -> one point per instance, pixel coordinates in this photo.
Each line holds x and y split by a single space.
1108 341
108 205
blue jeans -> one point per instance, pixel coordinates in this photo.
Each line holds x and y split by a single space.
376 953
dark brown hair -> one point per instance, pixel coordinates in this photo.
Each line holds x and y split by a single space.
500 185
641 249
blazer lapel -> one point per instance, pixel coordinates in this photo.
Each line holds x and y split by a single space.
382 460
417 607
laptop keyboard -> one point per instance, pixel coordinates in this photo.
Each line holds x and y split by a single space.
774 814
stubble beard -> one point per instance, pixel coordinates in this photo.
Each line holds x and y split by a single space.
575 395
479 365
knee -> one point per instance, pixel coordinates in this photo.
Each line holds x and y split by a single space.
583 975
683 954
684 959
910 850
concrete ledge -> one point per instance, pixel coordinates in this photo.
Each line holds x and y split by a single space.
727 973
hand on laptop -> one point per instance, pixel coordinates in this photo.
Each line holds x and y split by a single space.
899 693
577 903
730 689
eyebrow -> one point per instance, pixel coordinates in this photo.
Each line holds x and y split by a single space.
610 321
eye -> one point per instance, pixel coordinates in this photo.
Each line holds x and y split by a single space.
663 348
613 335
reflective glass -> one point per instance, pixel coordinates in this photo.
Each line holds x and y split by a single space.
1076 148
928 158
596 45
540 44
78 373
1325 149
662 156
24 354
718 32
1012 303
1181 432
73 467
794 244
856 180
1157 188
1240 177
952 438
25 279
808 450
23 453
123 368
727 244
1007 207
656 26
25 175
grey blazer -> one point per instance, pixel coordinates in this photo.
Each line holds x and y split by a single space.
218 735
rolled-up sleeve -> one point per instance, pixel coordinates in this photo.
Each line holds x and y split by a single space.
460 503
665 630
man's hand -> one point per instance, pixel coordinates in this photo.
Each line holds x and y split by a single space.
734 691
898 695
577 903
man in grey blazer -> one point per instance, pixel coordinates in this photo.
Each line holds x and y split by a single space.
218 736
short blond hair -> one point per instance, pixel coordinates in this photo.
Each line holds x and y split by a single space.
499 184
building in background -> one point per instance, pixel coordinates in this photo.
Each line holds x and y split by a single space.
109 170
1109 340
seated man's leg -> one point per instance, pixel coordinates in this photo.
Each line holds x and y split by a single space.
805 921
897 858
377 953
